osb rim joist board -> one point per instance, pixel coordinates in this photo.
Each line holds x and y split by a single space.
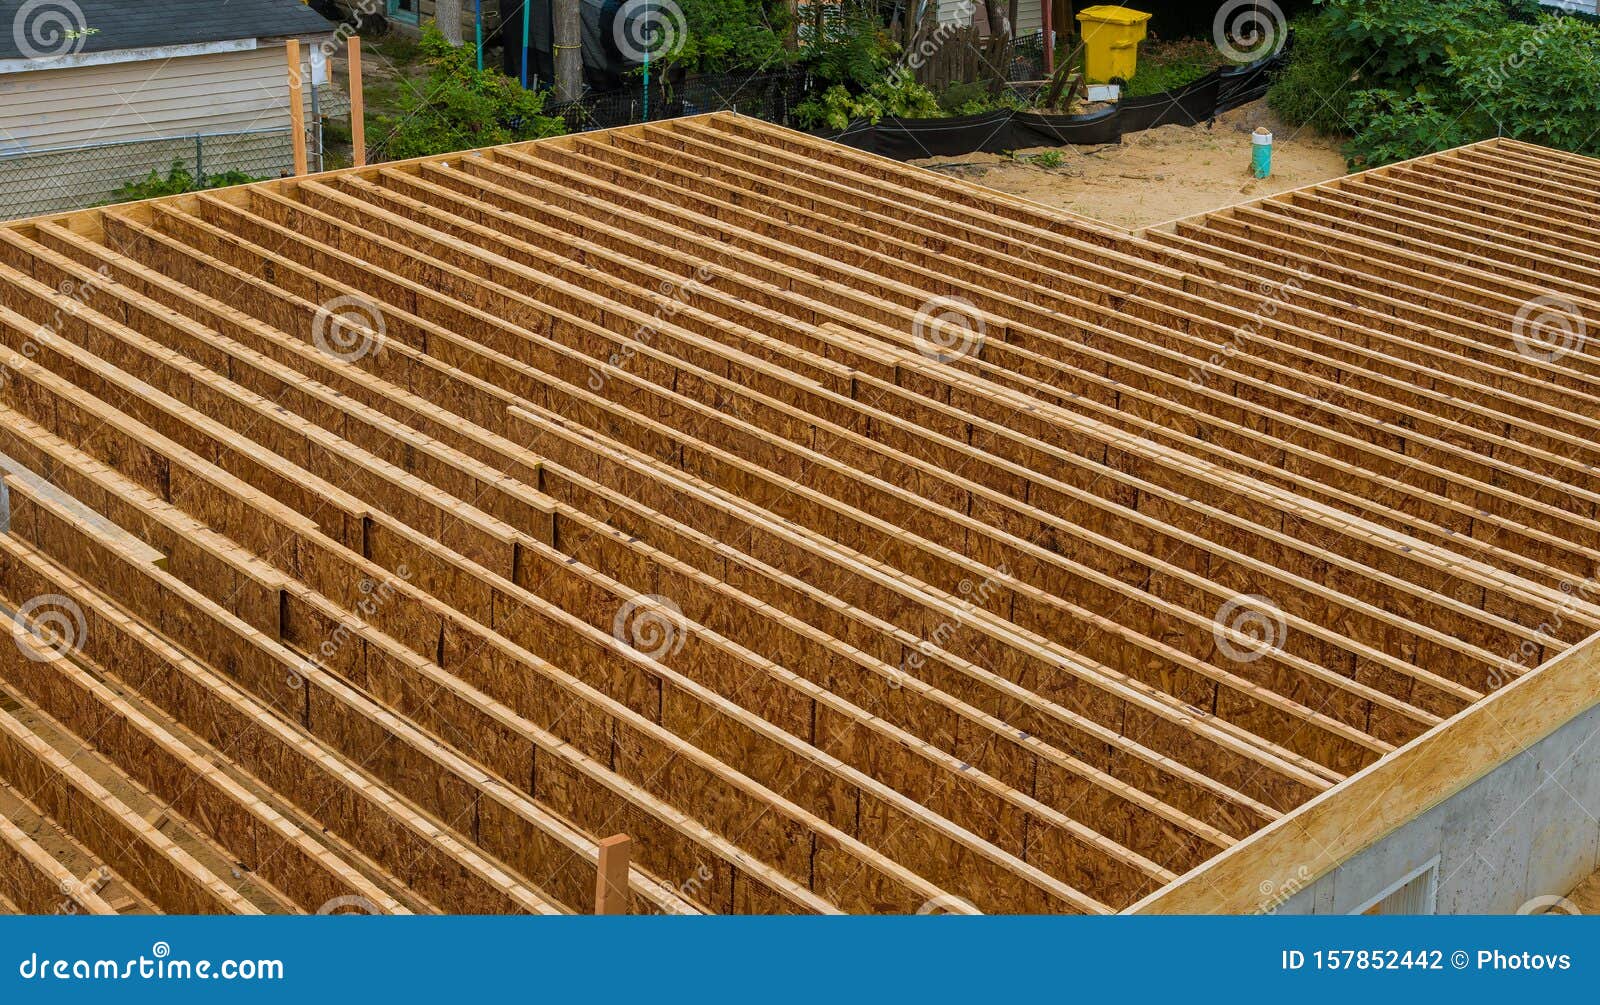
852 539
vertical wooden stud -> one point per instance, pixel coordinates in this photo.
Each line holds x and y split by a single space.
358 104
297 111
611 882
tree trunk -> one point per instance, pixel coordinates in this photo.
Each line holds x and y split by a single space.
447 14
568 41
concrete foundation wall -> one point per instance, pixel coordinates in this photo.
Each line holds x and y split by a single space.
1528 829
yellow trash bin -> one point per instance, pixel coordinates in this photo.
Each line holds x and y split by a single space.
1111 37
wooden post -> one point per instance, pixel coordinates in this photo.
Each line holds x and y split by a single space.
611 894
1049 38
568 44
358 105
297 111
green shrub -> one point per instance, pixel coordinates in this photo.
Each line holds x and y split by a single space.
853 49
1314 89
1404 45
898 95
179 179
1390 126
1171 65
461 107
727 35
1536 82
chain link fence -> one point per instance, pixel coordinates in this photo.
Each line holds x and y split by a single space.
66 178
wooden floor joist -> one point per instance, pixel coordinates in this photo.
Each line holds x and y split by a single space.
851 538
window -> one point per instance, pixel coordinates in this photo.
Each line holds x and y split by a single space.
408 11
1416 893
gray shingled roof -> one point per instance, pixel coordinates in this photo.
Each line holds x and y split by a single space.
31 27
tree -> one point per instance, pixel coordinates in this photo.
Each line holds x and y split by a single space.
447 15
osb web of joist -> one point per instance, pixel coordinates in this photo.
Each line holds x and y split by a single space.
852 538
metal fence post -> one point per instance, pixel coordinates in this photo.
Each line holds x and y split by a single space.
200 159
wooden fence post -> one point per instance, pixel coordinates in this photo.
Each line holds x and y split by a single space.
297 111
611 895
358 105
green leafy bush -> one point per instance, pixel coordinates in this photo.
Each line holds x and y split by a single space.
1536 82
462 107
178 179
1314 89
852 49
1390 126
898 95
727 35
1403 45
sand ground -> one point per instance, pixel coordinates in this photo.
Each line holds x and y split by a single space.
1159 174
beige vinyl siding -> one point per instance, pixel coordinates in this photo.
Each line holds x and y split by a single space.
1030 19
149 99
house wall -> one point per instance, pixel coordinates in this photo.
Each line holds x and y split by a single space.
71 137
1526 830
151 99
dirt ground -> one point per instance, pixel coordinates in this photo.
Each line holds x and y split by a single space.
1159 174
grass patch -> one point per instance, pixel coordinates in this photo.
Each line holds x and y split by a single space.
1167 66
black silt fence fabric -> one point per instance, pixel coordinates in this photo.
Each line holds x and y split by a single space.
997 132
